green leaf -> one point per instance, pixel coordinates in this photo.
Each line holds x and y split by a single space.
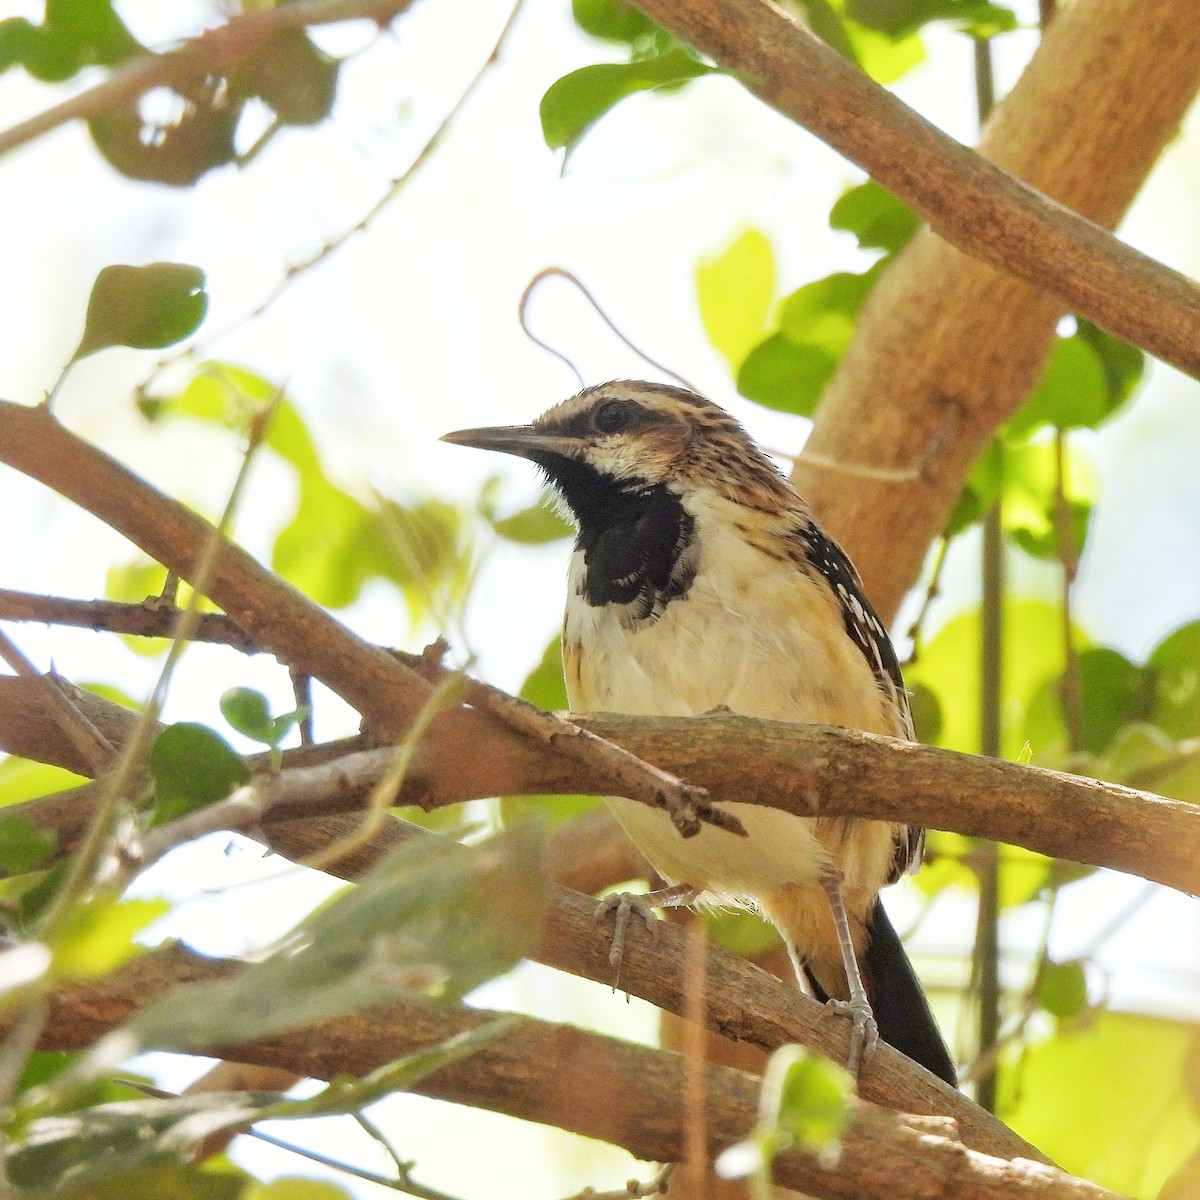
1030 514
782 375
573 104
949 666
1062 989
789 370
815 1102
743 933
1123 364
736 292
826 22
1073 392
23 846
1174 667
74 35
900 18
536 525
926 713
612 20
295 1187
248 712
432 917
144 307
805 1103
1113 693
137 1138
192 766
546 687
823 313
99 936
1107 1099
884 58
876 218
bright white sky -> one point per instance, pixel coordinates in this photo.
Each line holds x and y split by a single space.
411 330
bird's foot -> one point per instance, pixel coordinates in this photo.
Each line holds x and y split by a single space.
864 1033
625 905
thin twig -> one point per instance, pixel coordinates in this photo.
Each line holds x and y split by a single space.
150 618
392 191
932 592
405 1183
695 1171
383 794
84 736
1070 689
577 283
302 694
633 1190
687 806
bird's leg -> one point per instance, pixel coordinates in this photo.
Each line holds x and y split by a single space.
625 904
864 1032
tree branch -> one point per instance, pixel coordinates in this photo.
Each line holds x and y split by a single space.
589 1084
151 618
967 200
947 348
211 52
387 689
808 770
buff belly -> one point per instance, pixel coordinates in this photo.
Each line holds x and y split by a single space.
717 648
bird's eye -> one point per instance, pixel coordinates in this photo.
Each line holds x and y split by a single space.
611 417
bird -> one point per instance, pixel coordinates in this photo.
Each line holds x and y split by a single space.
700 581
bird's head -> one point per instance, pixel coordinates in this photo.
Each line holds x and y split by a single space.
628 437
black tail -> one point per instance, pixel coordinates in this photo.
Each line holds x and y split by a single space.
901 1010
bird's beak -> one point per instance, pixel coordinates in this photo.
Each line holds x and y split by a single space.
525 441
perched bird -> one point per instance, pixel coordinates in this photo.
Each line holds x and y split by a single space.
700 580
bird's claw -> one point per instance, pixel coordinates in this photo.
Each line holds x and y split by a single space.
624 905
864 1033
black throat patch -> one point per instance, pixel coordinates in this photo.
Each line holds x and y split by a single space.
637 540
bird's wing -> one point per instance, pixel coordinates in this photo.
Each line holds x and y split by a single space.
824 556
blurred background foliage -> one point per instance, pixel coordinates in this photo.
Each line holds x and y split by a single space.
1107 1091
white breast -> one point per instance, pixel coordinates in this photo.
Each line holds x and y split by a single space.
757 636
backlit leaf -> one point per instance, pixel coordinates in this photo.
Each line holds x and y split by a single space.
736 292
1107 1099
432 917
99 935
1062 989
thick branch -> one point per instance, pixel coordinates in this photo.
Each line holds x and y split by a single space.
947 347
593 1085
808 770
